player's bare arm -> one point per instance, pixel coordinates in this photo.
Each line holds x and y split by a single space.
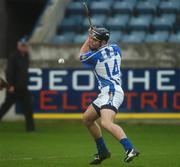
85 46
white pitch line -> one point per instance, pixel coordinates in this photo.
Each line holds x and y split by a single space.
33 158
28 158
16 159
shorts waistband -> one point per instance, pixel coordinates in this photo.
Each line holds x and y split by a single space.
116 88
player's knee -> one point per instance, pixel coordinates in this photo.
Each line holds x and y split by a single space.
86 120
106 125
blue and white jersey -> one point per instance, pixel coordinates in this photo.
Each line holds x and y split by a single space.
105 63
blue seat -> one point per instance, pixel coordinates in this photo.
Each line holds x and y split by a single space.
134 37
66 38
80 38
169 6
100 17
129 1
140 23
157 37
139 33
75 18
123 7
111 1
115 36
164 22
75 8
177 27
119 22
156 2
97 20
90 1
80 1
100 7
146 7
70 24
174 38
169 16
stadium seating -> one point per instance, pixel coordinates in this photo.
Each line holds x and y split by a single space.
156 2
169 6
80 38
75 8
70 24
140 23
157 37
174 37
146 7
97 20
65 38
118 22
164 22
123 7
100 7
128 20
115 36
134 37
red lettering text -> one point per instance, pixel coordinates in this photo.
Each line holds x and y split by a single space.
129 96
87 99
149 98
44 99
65 104
175 101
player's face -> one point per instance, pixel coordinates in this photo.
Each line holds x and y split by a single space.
94 43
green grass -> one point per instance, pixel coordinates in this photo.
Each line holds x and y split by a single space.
68 144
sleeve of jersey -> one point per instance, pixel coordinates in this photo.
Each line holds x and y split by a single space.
86 58
118 50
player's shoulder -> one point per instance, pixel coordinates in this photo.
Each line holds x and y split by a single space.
115 47
89 55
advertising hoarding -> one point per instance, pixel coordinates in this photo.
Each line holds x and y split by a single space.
72 90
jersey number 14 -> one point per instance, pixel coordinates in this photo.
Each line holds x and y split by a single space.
115 69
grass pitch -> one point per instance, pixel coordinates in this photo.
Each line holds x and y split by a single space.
68 144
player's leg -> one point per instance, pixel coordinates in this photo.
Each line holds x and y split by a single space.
107 122
89 118
8 102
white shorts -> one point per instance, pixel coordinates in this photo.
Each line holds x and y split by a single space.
109 99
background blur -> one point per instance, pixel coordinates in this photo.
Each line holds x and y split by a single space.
148 32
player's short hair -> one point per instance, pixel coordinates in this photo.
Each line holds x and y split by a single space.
101 34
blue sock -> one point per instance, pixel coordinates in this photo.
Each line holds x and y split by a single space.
126 144
100 144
